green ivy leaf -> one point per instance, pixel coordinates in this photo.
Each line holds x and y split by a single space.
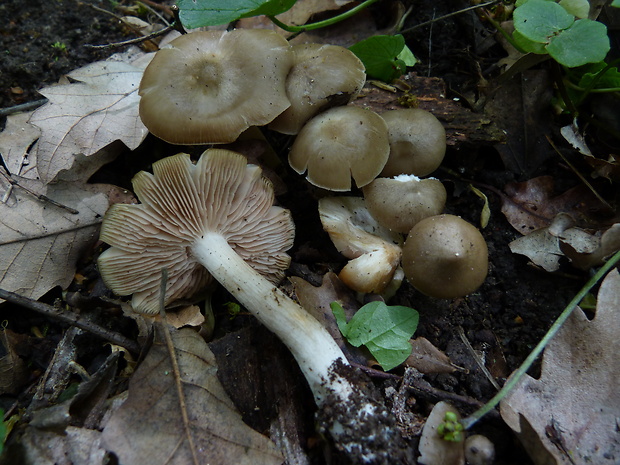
199 13
586 41
611 78
385 57
384 330
539 20
578 8
527 45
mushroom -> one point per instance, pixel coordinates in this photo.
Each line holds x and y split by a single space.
445 257
399 203
374 250
323 76
340 143
479 450
216 218
209 86
417 142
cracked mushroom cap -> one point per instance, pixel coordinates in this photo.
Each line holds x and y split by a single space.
340 143
180 202
323 76
209 86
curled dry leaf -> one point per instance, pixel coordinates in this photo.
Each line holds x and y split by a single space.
82 117
149 428
40 243
575 405
426 358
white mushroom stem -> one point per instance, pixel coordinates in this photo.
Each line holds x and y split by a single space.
309 342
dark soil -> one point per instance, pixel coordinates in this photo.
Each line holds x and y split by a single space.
504 319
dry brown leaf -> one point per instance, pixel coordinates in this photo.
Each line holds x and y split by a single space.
73 446
426 358
575 405
87 115
533 204
149 428
13 369
434 450
40 243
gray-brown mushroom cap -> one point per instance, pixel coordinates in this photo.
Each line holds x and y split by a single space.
445 257
417 142
341 143
209 86
399 203
323 76
180 202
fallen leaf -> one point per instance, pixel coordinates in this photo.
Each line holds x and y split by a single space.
13 369
575 405
426 358
73 446
84 116
40 243
533 205
149 427
15 141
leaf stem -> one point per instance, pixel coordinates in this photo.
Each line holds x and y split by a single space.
324 23
518 374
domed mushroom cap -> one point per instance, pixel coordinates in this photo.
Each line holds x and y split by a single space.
340 143
180 203
322 76
445 257
399 203
417 142
208 87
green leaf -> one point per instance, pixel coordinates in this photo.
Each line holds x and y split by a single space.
586 41
609 80
579 8
384 330
539 20
380 55
616 3
199 13
528 45
407 57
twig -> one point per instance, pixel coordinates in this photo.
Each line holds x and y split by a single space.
72 319
137 40
515 378
41 197
477 359
22 107
454 13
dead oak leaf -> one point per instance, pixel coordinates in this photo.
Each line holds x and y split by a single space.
155 426
99 107
575 405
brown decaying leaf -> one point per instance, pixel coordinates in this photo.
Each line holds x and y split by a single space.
434 450
149 428
40 243
15 140
575 405
533 204
426 358
74 446
84 116
13 370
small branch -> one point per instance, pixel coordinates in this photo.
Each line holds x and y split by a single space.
477 359
41 197
72 319
454 13
22 107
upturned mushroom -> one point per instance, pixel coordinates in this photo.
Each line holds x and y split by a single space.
445 257
340 143
400 202
217 218
417 142
322 76
209 86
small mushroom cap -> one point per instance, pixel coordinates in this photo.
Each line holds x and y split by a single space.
399 203
340 143
417 142
209 86
322 77
479 450
445 257
180 203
